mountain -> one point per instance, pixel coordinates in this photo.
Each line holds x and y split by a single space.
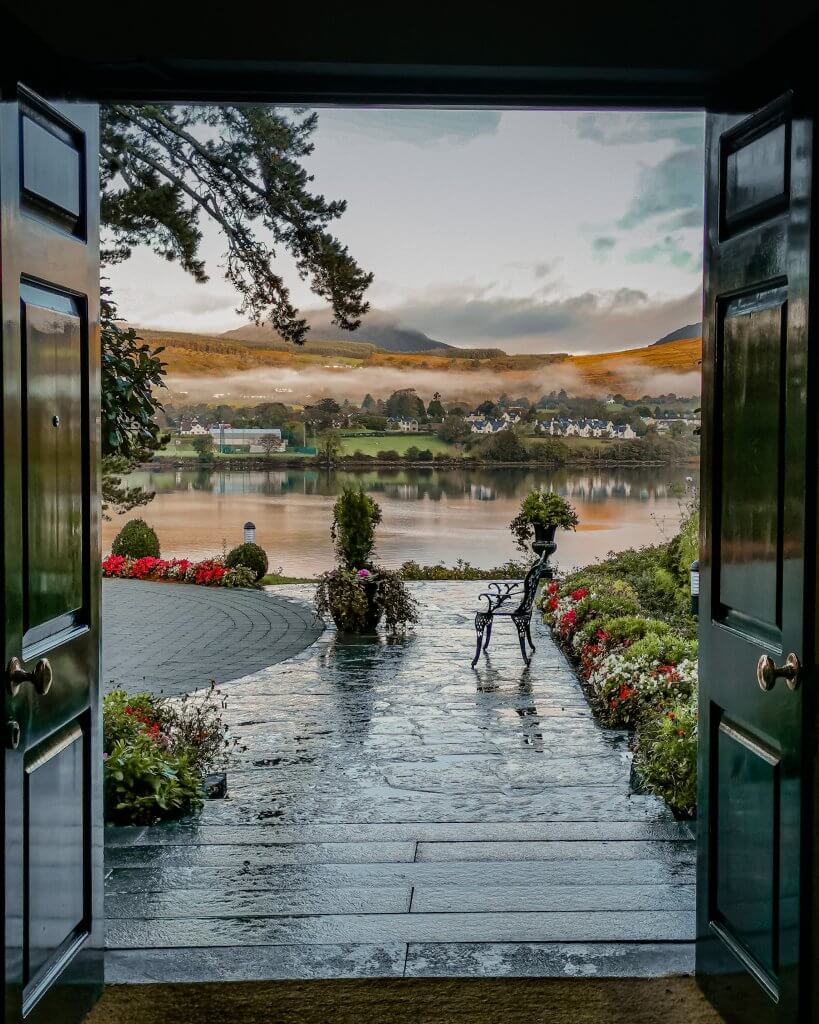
378 329
652 370
689 331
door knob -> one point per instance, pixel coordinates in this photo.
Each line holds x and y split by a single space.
40 677
767 672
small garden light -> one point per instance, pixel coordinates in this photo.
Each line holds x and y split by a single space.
250 533
694 574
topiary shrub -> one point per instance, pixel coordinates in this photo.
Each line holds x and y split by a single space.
251 556
355 517
136 540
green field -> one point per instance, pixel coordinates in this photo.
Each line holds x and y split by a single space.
576 442
396 443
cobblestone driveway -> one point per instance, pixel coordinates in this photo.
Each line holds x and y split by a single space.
175 638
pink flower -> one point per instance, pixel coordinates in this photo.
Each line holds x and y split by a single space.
363 573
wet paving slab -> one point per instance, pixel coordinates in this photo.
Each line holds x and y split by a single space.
396 813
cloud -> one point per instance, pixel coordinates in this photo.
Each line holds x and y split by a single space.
687 219
591 321
544 269
668 250
602 246
611 128
414 126
675 185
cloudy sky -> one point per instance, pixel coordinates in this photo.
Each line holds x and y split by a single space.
528 230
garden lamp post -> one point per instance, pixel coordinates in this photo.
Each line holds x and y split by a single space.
694 575
250 533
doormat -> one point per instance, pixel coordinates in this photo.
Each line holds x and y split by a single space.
411 1001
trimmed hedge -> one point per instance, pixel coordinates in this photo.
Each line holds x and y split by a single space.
136 540
251 556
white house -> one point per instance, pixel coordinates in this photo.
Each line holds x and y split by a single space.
407 425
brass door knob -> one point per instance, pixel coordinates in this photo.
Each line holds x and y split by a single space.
767 672
40 677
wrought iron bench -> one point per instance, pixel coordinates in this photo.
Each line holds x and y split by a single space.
521 599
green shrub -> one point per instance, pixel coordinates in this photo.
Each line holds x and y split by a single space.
355 517
544 509
462 570
251 556
156 752
662 648
599 606
666 758
136 540
632 627
144 783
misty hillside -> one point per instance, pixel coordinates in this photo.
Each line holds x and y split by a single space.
378 329
689 331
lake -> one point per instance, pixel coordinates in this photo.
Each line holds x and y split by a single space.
429 515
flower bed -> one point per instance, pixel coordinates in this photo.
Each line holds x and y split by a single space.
156 752
211 572
639 670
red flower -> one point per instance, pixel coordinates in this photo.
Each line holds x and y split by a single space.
113 565
579 594
551 589
625 692
603 636
551 604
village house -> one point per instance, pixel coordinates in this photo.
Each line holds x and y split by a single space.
481 426
407 425
191 427
587 428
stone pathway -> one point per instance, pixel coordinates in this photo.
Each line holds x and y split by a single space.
397 814
174 638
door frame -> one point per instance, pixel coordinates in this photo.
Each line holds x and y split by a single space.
504 87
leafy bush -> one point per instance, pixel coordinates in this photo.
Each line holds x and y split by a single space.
156 752
662 648
462 570
666 757
144 783
136 540
355 517
347 595
252 556
544 509
633 627
339 593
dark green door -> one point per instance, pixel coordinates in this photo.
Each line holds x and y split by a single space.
758 522
49 253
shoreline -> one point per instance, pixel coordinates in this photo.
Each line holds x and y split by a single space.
308 462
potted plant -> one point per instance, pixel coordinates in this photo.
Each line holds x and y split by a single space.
541 513
357 594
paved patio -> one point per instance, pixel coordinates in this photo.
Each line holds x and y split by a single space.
170 638
397 814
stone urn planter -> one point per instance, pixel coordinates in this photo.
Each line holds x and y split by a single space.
544 541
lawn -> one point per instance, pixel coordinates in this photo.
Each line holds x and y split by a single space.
396 443
577 442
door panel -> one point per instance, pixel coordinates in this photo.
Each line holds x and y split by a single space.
756 477
53 798
53 417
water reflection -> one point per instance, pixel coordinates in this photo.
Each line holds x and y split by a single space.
430 515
